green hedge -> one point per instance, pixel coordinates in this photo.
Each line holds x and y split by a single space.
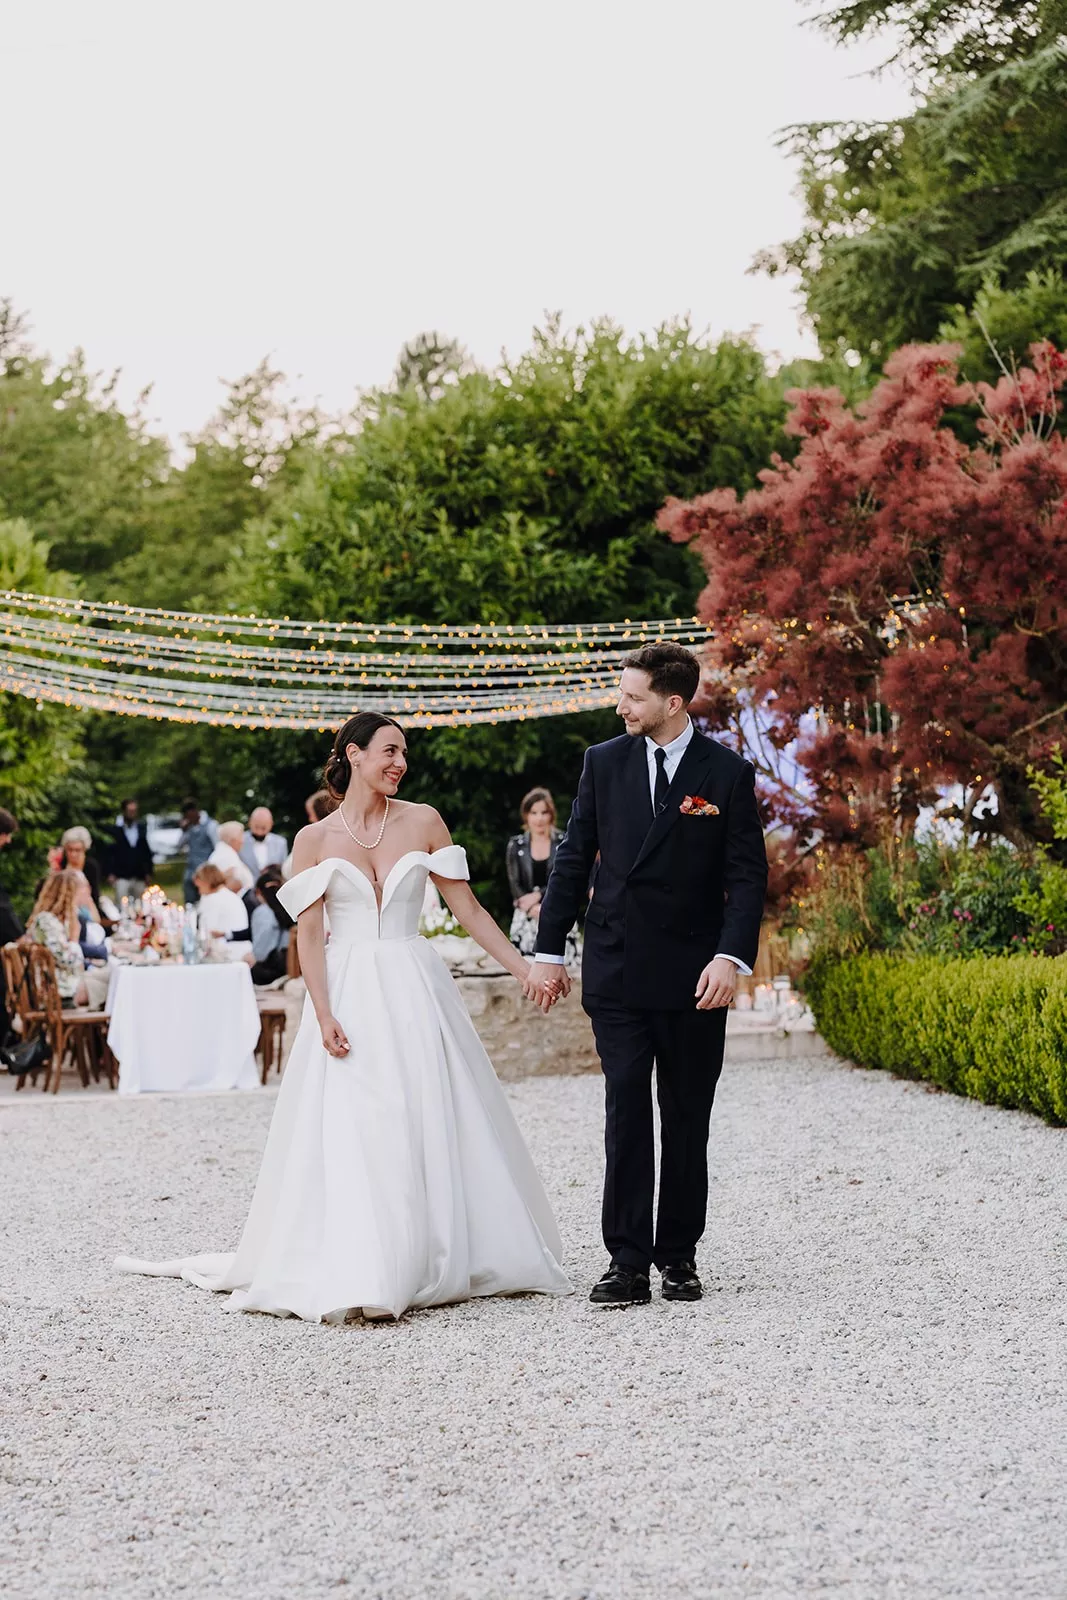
994 1027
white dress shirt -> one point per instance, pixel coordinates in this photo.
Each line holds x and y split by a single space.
225 857
673 754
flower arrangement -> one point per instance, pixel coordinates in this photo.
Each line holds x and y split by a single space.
438 921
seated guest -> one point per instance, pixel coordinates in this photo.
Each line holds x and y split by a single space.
129 857
220 911
74 855
226 856
54 923
91 935
262 847
270 930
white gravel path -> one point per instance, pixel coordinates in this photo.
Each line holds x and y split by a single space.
869 1402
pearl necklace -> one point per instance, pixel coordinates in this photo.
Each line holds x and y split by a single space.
351 835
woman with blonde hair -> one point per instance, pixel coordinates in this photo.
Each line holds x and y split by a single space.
74 848
54 923
221 912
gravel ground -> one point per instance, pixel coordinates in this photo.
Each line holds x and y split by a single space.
869 1402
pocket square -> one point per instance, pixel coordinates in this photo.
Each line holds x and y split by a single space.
694 805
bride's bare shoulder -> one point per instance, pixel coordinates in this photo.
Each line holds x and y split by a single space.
427 822
309 846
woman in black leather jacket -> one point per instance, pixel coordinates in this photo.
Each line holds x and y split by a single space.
530 856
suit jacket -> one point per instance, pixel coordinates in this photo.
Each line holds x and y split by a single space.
668 893
277 852
126 860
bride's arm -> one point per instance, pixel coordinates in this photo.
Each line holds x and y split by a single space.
311 943
471 914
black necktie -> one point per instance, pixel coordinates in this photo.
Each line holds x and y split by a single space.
662 783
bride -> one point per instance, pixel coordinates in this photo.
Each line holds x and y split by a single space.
394 1174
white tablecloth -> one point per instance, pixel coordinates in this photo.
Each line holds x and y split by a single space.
175 1027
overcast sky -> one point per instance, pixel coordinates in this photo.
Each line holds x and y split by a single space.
190 185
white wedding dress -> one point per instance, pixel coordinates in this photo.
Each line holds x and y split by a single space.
396 1176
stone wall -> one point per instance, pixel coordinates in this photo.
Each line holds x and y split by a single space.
519 1039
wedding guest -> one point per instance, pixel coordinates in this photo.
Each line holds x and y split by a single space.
91 935
529 859
270 930
227 857
74 848
129 856
220 911
262 847
201 837
54 923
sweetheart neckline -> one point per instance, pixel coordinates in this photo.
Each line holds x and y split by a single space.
371 882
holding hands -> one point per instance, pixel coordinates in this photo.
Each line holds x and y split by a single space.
545 983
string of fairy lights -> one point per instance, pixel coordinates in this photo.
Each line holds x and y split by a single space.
269 672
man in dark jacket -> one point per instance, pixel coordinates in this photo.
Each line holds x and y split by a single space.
666 820
129 861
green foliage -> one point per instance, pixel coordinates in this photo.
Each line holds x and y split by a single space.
242 458
72 463
41 753
950 36
924 898
907 220
995 1030
997 330
1044 902
525 495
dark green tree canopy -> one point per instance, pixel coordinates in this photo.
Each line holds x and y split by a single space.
907 220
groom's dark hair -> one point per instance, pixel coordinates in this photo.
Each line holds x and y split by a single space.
671 668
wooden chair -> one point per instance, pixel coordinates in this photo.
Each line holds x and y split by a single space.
74 1034
272 1019
13 957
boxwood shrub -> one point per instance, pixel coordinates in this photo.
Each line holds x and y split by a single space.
993 1027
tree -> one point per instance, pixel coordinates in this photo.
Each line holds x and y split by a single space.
72 463
41 752
892 599
193 522
995 333
429 363
908 219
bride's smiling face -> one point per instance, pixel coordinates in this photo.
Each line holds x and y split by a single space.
383 763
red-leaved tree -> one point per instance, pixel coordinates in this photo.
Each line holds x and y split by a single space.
893 601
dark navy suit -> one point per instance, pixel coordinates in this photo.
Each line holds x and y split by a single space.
669 892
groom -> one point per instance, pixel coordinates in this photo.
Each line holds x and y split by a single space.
666 821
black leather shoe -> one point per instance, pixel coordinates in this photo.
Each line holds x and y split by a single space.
680 1281
622 1286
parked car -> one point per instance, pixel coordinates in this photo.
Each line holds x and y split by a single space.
164 835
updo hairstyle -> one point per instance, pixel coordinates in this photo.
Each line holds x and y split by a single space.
358 730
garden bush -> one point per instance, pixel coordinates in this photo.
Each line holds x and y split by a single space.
993 1028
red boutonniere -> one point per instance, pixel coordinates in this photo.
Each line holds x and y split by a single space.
694 805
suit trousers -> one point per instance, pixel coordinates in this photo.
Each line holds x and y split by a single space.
686 1048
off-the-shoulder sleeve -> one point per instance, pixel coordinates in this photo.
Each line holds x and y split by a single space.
304 888
451 862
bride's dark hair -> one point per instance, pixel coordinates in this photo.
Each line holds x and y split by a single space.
359 730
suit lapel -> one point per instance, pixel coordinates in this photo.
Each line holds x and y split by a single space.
638 795
686 780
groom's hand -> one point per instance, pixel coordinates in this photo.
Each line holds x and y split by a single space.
716 984
546 983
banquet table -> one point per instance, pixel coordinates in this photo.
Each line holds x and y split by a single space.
178 1027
